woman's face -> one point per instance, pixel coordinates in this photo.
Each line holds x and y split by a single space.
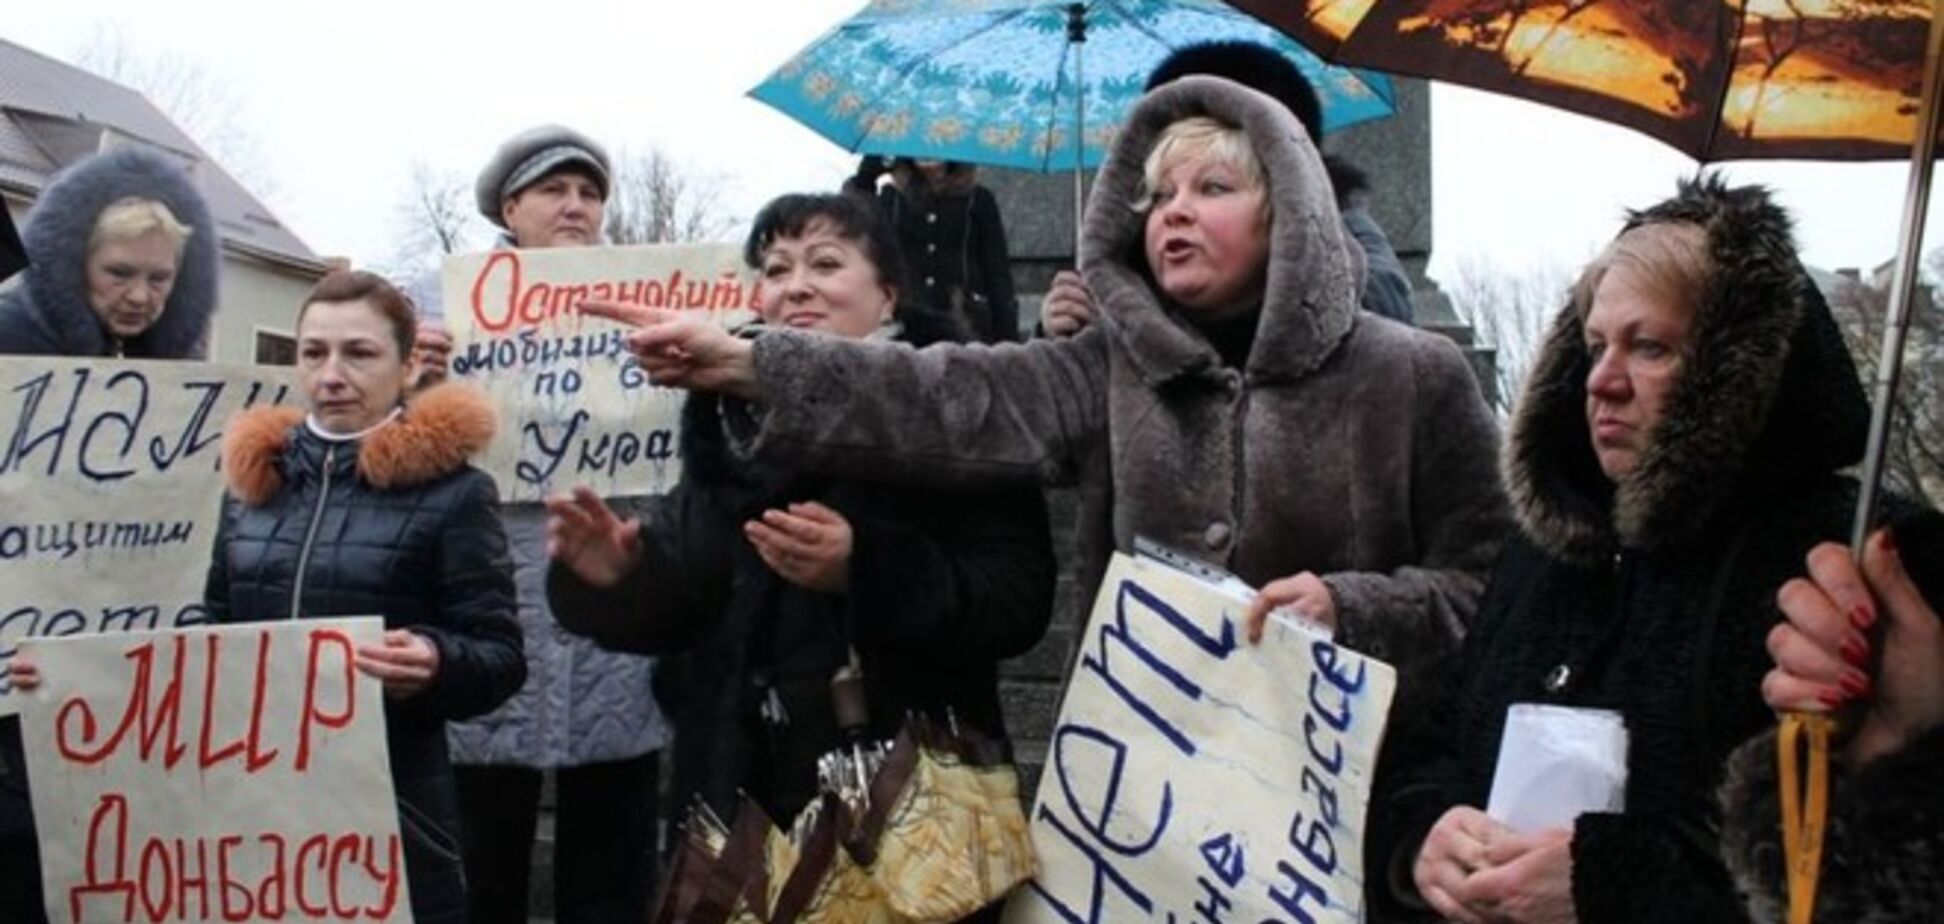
1208 236
822 281
129 280
1637 341
349 364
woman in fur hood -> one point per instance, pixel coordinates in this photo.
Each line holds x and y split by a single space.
1675 454
124 255
1232 403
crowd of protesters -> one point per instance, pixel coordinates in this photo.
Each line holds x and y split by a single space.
1230 371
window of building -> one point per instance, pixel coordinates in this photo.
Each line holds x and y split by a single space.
274 348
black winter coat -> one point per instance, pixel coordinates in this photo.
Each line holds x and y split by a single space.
1652 597
396 525
954 244
942 587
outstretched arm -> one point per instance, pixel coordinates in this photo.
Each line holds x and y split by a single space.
949 414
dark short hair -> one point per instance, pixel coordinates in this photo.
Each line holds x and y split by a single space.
854 217
1253 65
357 285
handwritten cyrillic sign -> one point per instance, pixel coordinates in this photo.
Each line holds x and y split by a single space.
574 407
1195 778
222 774
109 491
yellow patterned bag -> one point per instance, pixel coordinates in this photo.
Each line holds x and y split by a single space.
941 835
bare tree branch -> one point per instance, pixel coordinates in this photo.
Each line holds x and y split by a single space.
1914 453
655 200
1510 312
199 102
432 218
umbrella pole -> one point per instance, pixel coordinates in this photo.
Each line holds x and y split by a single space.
1902 287
1077 37
1804 740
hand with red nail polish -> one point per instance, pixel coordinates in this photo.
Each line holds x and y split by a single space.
1822 653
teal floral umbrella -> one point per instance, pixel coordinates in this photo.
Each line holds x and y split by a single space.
993 81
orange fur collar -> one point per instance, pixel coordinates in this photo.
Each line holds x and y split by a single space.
440 429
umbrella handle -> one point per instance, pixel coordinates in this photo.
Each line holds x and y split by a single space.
1805 805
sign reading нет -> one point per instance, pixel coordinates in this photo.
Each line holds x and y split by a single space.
1195 778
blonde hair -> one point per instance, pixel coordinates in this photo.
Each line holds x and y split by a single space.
1198 136
1669 261
132 217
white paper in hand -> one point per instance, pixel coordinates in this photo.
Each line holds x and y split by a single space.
1557 762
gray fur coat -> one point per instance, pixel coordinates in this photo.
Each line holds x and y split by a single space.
1349 445
49 314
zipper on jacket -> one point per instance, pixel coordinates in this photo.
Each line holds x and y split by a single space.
310 534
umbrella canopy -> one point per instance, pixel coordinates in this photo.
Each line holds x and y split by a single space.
1822 79
993 81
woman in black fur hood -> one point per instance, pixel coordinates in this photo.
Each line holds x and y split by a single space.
100 283
1676 453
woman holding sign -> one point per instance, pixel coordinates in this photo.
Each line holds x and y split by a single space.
764 579
366 506
124 256
1675 456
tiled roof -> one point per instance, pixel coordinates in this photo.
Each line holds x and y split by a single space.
52 114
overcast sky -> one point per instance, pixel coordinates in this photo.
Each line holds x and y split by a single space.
341 98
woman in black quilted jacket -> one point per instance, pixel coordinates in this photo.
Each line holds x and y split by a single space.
367 506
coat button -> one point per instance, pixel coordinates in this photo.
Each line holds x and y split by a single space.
931 218
931 281
1558 678
1216 536
931 248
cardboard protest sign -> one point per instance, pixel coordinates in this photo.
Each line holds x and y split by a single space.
109 491
574 407
1193 777
232 773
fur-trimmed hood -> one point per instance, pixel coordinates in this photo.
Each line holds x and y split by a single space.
1763 340
50 314
438 432
1315 270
